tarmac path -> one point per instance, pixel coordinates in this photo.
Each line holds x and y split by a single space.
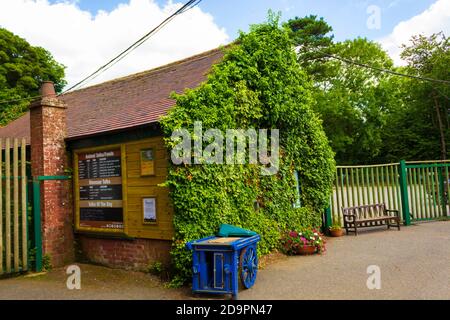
414 264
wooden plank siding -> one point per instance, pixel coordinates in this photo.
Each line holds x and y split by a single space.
13 206
139 187
135 187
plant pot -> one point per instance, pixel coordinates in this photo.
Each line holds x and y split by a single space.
337 233
306 250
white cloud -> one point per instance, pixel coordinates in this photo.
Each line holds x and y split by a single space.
435 19
83 42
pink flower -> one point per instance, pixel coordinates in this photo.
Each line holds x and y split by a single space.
293 234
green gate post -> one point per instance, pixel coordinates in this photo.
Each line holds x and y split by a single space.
37 223
404 193
37 214
328 219
442 191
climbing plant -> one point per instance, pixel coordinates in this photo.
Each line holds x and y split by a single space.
258 84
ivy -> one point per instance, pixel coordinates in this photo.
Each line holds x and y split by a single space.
258 84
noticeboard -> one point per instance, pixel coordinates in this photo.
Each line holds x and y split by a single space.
147 162
149 209
99 190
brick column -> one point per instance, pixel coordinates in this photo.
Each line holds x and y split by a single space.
49 158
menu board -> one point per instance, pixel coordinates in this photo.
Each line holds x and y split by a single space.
100 190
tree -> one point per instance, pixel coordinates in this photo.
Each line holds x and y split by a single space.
430 57
313 39
417 125
371 116
22 69
353 101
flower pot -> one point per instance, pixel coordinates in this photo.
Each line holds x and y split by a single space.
306 250
337 233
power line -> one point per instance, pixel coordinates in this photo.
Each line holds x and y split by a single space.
192 6
385 70
187 6
18 100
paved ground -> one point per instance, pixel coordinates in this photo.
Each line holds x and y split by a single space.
414 264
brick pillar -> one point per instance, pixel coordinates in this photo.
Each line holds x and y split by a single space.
49 158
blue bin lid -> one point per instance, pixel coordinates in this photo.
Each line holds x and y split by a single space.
228 230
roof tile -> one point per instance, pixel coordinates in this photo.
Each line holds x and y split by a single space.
127 102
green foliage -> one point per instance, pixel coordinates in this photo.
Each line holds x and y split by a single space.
314 39
336 226
350 100
22 69
371 116
419 123
47 262
157 268
258 84
354 101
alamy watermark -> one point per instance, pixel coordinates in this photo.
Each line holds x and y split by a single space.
374 19
74 279
234 146
374 279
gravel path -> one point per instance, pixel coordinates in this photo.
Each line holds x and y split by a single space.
414 264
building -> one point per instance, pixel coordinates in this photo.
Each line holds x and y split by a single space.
113 211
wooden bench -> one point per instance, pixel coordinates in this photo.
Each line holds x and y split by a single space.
369 216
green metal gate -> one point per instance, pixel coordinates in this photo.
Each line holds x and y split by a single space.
427 189
418 189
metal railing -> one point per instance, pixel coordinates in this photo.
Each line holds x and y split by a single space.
418 189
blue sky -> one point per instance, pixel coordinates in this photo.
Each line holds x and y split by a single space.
82 39
347 17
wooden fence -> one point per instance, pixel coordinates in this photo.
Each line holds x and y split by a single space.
13 206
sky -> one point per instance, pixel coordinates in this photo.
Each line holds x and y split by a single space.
85 34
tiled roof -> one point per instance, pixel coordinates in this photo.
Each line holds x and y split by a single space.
127 102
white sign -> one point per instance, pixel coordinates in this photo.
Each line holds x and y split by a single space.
149 205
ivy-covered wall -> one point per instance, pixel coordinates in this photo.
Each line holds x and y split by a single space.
260 85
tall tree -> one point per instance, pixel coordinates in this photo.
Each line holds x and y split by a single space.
350 99
353 101
430 57
314 39
22 69
418 124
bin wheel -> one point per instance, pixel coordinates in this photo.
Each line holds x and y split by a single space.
248 265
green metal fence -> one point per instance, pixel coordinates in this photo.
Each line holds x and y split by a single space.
428 186
417 189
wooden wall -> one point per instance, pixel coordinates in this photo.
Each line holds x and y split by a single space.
148 186
136 187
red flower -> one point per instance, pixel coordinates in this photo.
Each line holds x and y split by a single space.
293 234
